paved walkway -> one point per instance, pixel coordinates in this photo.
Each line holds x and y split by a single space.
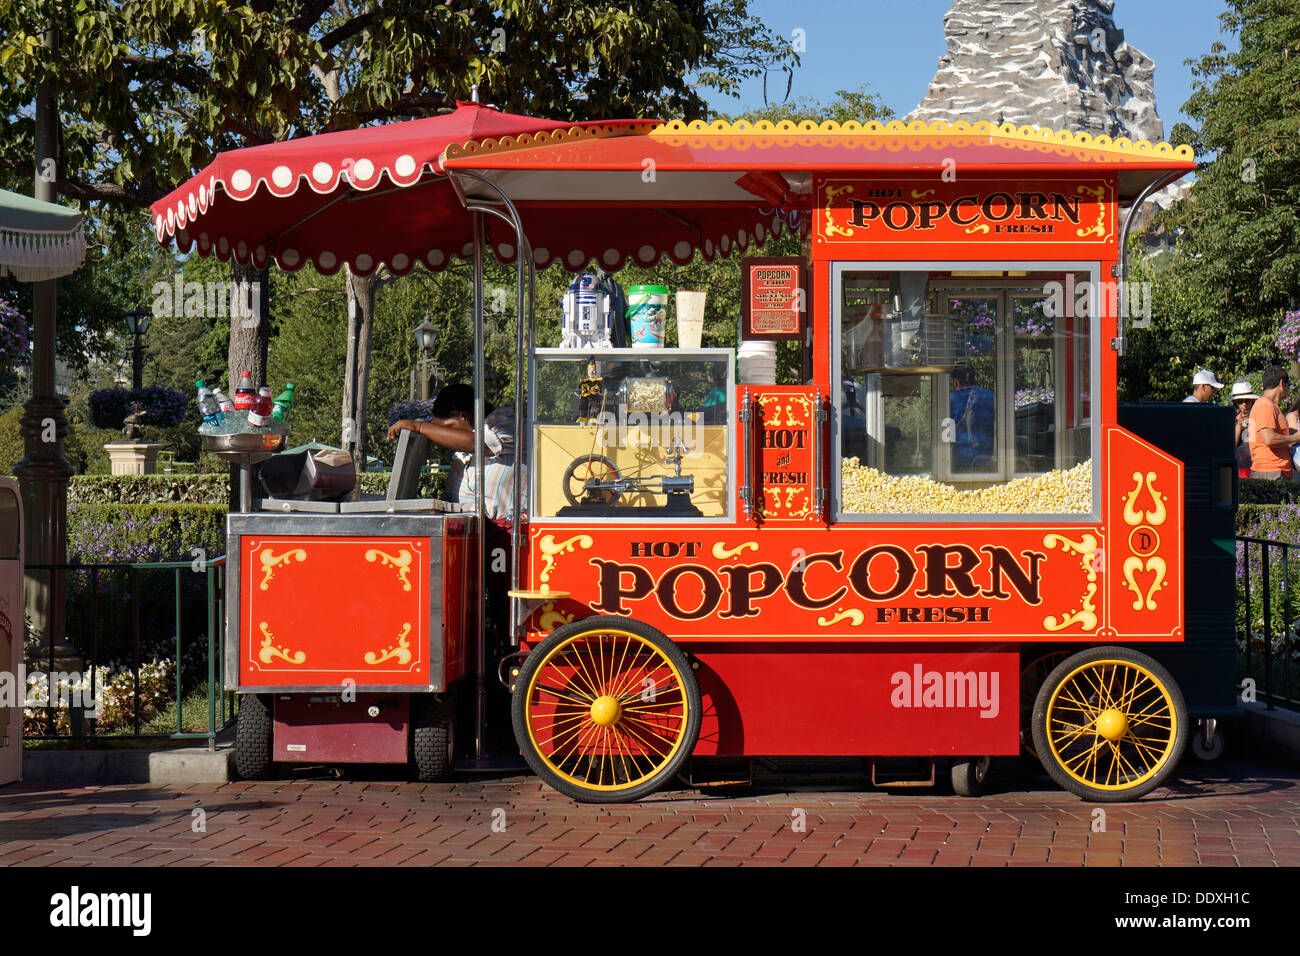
1231 814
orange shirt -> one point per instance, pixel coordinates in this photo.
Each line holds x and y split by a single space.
1264 414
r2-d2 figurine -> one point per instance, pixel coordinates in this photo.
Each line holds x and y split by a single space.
586 315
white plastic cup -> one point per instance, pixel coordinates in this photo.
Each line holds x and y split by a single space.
690 319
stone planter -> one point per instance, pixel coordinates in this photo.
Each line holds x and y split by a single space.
134 457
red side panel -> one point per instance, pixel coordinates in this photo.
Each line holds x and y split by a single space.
1143 564
831 701
322 609
312 728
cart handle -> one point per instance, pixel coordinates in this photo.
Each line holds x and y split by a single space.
819 452
747 454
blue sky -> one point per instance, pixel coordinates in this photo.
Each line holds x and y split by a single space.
893 46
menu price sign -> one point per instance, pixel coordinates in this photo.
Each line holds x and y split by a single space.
774 298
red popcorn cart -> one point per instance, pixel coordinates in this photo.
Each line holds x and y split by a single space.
940 538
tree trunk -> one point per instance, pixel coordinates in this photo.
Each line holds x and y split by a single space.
249 337
361 314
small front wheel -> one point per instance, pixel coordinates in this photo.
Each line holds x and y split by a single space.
253 737
968 775
433 740
606 709
1109 724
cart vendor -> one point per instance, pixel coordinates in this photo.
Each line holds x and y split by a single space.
453 428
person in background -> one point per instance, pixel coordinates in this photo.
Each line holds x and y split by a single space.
1204 385
1243 399
453 428
974 412
1271 439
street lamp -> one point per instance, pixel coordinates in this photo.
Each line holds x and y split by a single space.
426 336
137 323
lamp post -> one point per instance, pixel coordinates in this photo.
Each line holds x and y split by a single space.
426 336
137 323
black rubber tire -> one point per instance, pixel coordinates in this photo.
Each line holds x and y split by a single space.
567 634
1211 753
433 739
253 737
1034 668
1173 740
968 775
588 460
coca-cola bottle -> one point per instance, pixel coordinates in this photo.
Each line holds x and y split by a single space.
245 392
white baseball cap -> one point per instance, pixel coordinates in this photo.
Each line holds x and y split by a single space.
1206 377
1242 390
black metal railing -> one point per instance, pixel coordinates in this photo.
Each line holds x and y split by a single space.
125 622
1268 646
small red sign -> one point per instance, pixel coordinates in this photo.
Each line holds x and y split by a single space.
774 298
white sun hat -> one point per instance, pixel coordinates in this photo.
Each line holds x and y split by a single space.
1206 377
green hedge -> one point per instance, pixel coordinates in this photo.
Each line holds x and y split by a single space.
105 533
1254 491
149 489
198 489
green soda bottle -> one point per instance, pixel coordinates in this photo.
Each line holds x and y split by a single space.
284 404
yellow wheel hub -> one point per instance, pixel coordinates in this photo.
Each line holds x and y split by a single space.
605 710
1112 724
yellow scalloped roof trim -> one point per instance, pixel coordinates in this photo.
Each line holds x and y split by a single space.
549 137
1029 136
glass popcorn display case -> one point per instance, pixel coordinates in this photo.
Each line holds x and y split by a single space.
632 434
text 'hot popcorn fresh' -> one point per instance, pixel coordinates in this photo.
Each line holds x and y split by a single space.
869 491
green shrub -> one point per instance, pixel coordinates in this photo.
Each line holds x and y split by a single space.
149 489
110 533
1256 491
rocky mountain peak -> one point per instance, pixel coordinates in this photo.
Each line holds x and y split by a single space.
1059 64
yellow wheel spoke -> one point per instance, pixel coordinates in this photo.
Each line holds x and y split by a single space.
624 688
577 661
1082 706
555 692
1076 731
627 728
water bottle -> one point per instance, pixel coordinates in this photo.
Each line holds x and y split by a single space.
208 407
260 414
284 404
225 403
245 392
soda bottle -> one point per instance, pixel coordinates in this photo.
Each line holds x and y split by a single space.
208 407
225 403
245 392
284 403
260 413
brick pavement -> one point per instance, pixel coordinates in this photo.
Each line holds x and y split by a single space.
1234 814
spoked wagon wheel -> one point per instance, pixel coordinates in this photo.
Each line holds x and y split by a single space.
1033 672
606 709
1109 724
586 467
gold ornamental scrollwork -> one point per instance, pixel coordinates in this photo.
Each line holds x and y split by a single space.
400 652
402 562
271 560
1133 514
550 549
722 553
548 619
833 193
269 651
1098 230
1086 613
1156 566
851 614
